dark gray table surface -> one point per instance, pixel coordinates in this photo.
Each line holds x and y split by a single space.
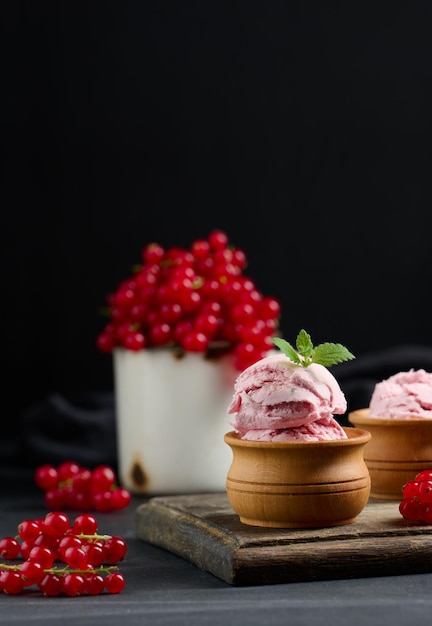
163 589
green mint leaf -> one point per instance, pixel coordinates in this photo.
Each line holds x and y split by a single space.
330 354
304 344
325 354
287 349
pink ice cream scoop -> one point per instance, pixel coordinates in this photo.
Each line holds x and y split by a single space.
277 400
405 394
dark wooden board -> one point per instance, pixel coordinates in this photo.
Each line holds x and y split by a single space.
204 530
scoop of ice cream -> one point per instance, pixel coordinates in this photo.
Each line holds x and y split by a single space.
405 394
324 429
275 394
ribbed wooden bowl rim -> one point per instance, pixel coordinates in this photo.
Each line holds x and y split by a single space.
355 436
361 417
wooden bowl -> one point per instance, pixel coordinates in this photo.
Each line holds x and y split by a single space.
399 449
307 484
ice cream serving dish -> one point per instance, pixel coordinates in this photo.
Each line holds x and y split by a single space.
399 449
399 418
298 484
293 465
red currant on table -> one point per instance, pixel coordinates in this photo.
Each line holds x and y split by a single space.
416 503
9 548
71 486
192 299
114 583
71 559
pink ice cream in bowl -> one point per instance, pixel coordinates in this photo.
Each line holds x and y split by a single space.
399 418
278 400
293 464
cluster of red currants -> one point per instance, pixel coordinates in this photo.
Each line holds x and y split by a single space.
416 503
71 486
192 298
61 558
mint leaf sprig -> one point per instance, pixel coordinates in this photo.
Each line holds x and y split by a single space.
326 354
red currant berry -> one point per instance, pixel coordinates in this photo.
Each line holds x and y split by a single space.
102 501
239 258
55 524
115 549
218 239
425 491
94 584
66 470
242 313
85 524
73 584
424 475
11 582
82 480
181 329
135 341
95 553
43 555
68 541
105 342
160 334
115 583
200 249
103 477
75 557
29 529
410 489
54 498
25 548
269 308
9 548
120 498
153 253
195 341
47 541
31 572
206 323
409 508
51 585
46 477
425 512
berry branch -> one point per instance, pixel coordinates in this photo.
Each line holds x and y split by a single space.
72 486
416 503
88 561
64 570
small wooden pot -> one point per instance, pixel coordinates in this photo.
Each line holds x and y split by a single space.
399 449
307 484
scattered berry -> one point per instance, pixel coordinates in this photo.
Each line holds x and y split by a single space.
71 559
191 299
70 486
114 583
9 548
416 503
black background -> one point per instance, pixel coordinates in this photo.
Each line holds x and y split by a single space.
303 129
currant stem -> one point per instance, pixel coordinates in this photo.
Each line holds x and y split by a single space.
94 537
65 570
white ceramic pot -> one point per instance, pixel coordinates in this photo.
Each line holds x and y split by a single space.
171 417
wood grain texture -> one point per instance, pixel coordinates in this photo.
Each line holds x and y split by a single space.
204 530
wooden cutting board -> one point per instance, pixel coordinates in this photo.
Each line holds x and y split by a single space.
204 530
